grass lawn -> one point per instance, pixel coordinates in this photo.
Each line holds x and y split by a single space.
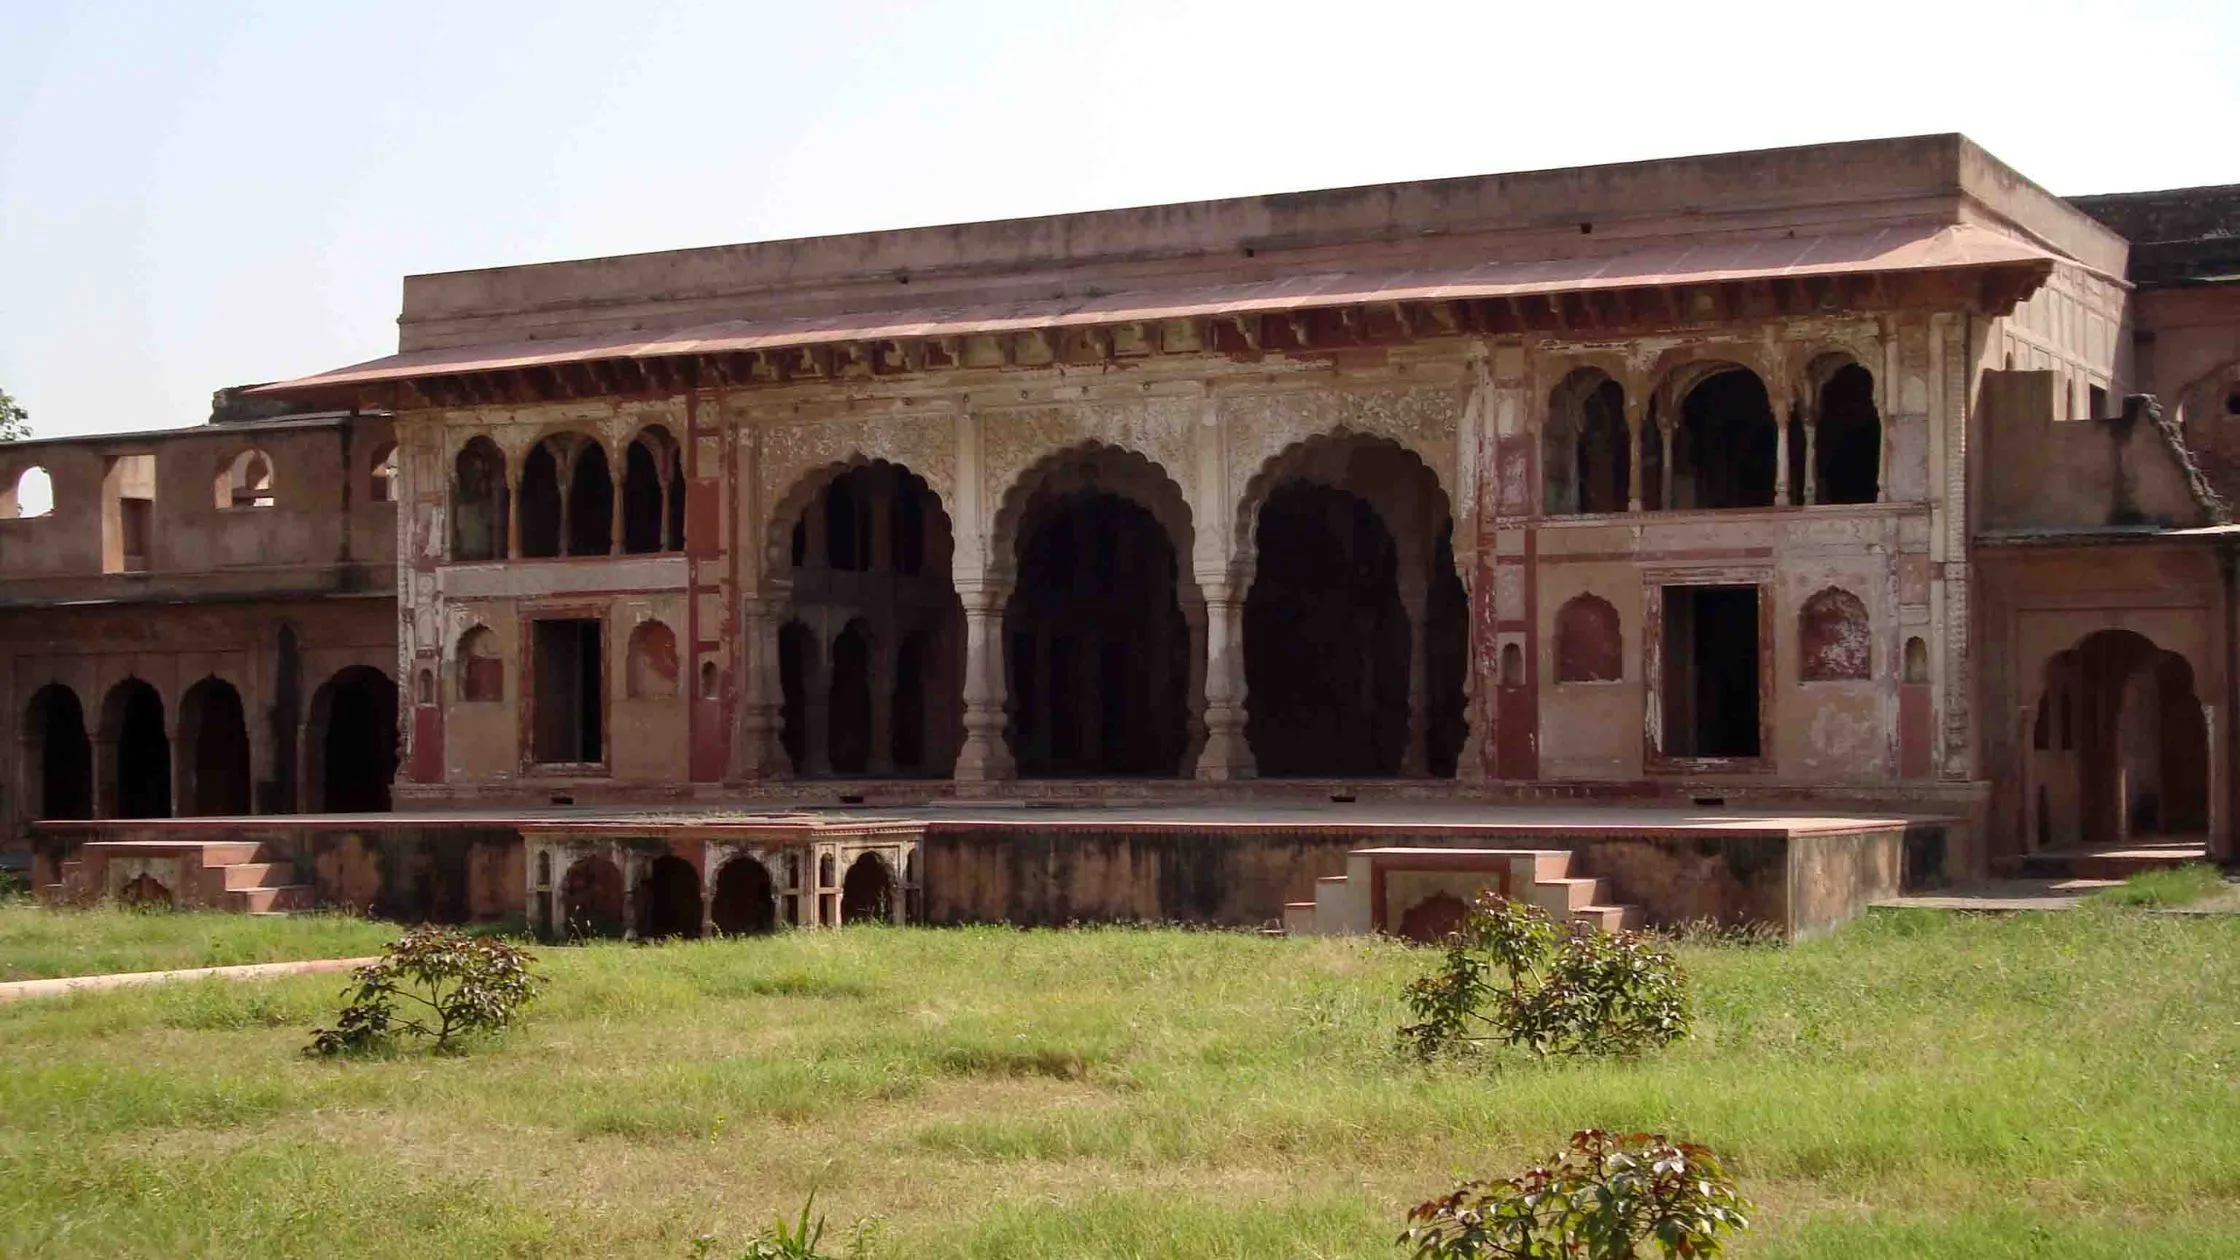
37 943
2173 887
1917 1085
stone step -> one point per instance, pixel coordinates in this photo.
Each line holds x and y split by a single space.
281 899
212 852
243 875
2114 862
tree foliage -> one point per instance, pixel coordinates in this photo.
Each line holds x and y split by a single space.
15 422
448 985
1512 975
1605 1197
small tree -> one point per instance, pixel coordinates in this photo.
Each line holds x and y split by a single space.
1604 1198
1512 975
15 422
458 985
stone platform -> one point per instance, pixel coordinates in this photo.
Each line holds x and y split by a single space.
1224 864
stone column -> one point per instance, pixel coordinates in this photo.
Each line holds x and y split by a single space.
984 757
1810 423
513 513
1194 685
621 475
1415 759
762 753
1780 457
1635 414
1227 754
1664 467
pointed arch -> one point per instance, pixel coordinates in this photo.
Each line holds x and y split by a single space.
214 750
479 502
1589 646
1834 640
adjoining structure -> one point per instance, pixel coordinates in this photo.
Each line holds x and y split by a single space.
1819 479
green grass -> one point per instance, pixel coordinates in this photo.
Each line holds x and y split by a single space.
2171 886
1916 1085
38 943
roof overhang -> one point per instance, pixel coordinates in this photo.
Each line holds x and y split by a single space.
1665 284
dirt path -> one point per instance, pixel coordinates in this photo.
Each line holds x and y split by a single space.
16 989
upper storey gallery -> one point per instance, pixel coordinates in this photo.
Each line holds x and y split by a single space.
1699 333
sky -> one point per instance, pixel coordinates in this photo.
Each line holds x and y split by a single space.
195 195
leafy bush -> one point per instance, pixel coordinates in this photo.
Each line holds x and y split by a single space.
798 1241
459 985
1604 1198
1513 975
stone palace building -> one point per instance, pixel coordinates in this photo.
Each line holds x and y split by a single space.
1855 477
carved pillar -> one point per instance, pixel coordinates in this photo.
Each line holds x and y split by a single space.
1780 456
984 756
1810 423
614 503
1636 406
1227 754
1664 466
1194 686
1414 759
513 512
760 722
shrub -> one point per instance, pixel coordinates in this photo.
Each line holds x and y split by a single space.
1604 1198
459 985
798 1241
1513 975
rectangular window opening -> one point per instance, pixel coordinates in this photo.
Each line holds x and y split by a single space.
1711 676
128 510
569 691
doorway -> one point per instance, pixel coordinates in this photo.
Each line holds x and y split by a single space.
1710 693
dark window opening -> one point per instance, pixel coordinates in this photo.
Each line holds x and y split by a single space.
1848 447
478 502
909 527
642 521
354 735
1325 639
669 899
1652 468
847 541
849 709
867 895
1711 673
1097 570
55 728
216 757
591 503
743 904
132 726
591 900
540 503
1723 454
674 539
797 664
910 682
2096 397
569 691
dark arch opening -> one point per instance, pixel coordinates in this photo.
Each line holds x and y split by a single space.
1097 648
60 755
848 710
132 727
1325 638
216 760
669 899
1848 446
2140 764
591 503
867 894
870 554
591 901
744 900
354 736
642 507
1723 455
478 502
1585 447
540 501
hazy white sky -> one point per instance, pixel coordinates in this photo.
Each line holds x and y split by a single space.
201 194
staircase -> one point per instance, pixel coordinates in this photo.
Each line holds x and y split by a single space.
2114 862
1422 893
229 875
